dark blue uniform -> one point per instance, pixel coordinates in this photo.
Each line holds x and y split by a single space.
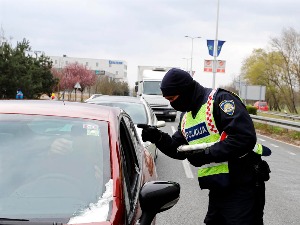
242 203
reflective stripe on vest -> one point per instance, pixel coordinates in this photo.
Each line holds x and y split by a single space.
258 149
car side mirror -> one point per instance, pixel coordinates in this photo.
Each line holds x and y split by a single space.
156 197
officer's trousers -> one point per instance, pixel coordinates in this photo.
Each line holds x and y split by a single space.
243 205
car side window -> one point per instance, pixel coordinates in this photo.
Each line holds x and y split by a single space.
153 116
130 165
133 135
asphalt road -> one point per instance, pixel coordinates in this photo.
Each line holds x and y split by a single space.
282 190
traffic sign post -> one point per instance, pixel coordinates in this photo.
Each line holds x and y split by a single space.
77 86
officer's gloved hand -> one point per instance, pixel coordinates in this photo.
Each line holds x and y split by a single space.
199 158
151 134
266 151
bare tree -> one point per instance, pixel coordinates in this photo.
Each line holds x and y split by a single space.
288 46
278 69
72 74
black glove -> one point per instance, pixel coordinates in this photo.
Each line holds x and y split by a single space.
151 134
262 171
266 151
199 158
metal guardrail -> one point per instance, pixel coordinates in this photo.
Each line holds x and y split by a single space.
291 125
284 115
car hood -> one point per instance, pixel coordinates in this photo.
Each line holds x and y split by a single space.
157 100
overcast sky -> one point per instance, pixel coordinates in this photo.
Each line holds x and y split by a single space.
150 32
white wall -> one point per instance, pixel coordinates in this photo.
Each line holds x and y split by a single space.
116 69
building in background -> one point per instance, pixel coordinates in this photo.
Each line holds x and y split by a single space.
114 69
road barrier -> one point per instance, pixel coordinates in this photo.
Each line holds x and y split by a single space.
284 115
291 125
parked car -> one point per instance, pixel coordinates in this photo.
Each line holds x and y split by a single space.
75 163
261 106
138 109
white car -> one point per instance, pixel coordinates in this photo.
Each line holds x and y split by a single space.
138 109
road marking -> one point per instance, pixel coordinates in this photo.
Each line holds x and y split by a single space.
261 139
173 129
292 153
187 169
274 145
185 163
279 141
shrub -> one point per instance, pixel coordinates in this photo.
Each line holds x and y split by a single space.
251 109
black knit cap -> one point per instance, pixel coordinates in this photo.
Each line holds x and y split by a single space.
176 82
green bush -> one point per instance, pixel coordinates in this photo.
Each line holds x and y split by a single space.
251 109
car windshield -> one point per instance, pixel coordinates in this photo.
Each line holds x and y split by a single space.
262 104
53 167
152 88
136 111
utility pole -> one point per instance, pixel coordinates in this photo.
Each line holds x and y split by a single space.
192 38
215 50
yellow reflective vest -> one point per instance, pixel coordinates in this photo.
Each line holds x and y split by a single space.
202 129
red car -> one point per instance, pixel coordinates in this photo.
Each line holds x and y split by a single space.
76 163
261 106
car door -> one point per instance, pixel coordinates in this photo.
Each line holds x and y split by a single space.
131 161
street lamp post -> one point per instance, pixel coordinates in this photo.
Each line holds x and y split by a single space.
187 63
192 38
216 49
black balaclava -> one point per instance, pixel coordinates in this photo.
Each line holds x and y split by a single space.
179 82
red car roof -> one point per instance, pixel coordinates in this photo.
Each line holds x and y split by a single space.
58 108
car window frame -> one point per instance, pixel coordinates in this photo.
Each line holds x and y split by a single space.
130 147
153 118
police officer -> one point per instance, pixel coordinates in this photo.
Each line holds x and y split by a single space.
232 168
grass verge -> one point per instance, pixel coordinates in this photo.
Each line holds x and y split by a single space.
279 133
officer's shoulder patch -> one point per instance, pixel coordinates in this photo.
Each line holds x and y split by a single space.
227 106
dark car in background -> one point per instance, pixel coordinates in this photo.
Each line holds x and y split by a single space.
75 163
138 109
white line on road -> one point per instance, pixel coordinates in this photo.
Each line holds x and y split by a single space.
274 145
187 169
185 163
261 139
279 141
292 153
173 129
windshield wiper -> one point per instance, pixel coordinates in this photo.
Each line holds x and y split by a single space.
12 219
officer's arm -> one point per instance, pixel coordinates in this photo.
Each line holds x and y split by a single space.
238 126
169 144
